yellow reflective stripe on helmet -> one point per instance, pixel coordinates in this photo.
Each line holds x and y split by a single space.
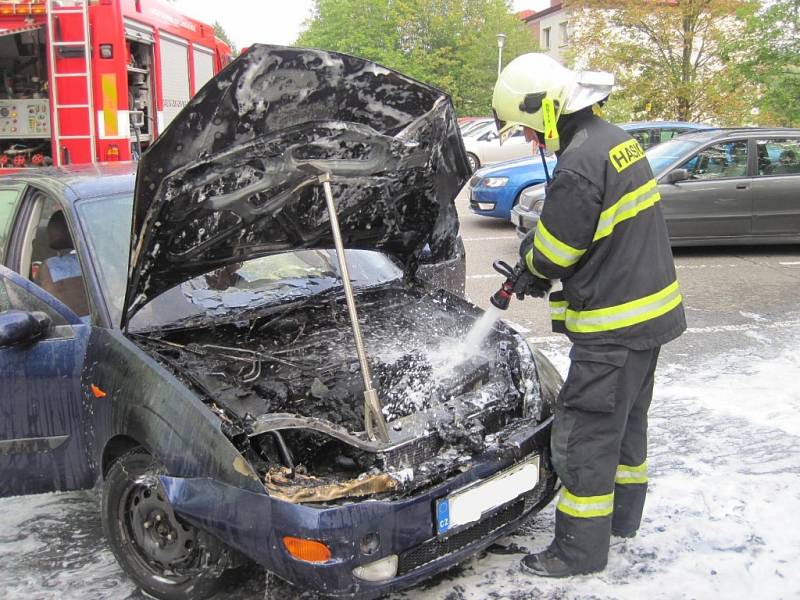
627 207
585 506
529 264
627 474
558 310
624 315
554 249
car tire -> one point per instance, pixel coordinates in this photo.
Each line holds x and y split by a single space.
474 163
167 558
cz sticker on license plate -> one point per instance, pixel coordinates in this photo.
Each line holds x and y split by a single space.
470 503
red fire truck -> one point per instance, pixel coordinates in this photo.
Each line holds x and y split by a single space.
84 81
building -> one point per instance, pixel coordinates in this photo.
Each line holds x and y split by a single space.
551 28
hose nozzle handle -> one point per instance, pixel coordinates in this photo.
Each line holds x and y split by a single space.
504 269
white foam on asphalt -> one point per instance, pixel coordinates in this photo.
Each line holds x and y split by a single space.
720 520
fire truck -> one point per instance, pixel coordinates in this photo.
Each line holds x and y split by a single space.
85 81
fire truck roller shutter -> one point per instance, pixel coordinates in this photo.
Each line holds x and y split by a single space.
138 32
174 77
203 66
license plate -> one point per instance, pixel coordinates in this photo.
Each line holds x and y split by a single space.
471 503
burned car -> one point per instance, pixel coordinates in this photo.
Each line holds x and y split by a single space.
265 376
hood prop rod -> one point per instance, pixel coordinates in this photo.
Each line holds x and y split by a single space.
374 422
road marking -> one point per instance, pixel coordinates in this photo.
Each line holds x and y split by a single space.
795 263
484 276
709 329
491 238
707 266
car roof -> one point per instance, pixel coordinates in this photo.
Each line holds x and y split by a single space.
729 132
682 124
84 181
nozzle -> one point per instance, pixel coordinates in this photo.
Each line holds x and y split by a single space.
502 297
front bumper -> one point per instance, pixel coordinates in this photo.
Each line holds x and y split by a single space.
524 220
255 524
491 202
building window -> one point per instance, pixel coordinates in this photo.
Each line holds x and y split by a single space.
546 38
564 33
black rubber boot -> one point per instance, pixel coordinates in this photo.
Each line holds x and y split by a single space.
623 534
549 564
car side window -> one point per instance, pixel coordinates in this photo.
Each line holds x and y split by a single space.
48 257
668 134
778 156
720 161
15 297
9 199
644 137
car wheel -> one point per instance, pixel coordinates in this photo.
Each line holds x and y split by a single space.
167 558
474 163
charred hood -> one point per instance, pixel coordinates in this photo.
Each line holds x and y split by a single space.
235 175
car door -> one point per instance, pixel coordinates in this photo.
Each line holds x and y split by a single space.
41 415
776 187
716 201
10 194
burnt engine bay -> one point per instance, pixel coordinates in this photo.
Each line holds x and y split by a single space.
288 388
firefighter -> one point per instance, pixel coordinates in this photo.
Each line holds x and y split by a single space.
602 233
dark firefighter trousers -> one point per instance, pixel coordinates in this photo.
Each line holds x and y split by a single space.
599 447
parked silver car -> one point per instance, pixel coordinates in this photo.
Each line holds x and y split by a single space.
723 186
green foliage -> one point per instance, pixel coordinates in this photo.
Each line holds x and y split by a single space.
672 60
450 44
773 36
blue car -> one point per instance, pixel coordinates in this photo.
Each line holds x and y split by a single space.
494 190
188 344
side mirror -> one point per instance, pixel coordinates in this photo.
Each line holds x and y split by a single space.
677 175
488 136
19 327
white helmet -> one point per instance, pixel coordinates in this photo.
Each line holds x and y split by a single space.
534 90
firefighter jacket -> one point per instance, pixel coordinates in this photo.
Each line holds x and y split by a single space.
602 233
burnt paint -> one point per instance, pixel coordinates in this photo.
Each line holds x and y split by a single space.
233 176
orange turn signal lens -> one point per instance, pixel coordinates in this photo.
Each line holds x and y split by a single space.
307 550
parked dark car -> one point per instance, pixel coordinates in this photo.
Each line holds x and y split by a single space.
495 190
208 377
724 186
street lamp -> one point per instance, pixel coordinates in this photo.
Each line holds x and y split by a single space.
501 41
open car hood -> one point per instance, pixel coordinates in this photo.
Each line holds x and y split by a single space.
235 176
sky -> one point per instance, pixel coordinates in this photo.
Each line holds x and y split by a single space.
271 21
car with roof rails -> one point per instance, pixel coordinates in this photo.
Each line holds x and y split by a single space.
495 190
716 187
189 335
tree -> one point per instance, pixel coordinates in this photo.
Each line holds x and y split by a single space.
450 44
773 35
673 59
220 32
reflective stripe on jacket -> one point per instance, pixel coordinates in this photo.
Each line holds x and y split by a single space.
603 234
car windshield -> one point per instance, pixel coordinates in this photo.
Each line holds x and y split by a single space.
663 155
245 285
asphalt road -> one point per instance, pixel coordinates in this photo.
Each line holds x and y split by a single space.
726 290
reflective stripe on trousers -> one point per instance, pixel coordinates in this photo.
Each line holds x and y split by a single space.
585 506
627 474
615 317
